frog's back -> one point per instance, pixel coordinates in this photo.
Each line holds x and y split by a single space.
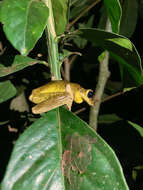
48 90
53 86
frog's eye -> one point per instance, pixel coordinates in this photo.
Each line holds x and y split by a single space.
90 94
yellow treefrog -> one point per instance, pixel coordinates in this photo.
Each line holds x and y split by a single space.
58 93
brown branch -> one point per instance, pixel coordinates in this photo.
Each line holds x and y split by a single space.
67 64
63 73
81 14
79 111
102 79
67 69
112 96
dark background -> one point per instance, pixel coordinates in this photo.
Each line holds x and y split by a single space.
125 140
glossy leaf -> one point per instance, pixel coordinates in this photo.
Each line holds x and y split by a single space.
60 151
121 48
114 12
36 159
129 17
123 42
60 15
7 91
24 22
20 62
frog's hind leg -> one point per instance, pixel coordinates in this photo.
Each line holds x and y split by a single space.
63 98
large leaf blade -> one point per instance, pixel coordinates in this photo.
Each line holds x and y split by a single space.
95 165
20 62
120 46
58 149
24 22
35 162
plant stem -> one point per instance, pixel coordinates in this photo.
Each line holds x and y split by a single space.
53 55
102 79
103 76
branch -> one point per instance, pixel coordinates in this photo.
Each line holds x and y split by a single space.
103 77
67 65
67 69
81 14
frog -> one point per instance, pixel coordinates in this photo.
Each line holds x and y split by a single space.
58 93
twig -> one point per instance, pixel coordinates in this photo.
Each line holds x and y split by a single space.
79 111
74 58
67 64
81 14
67 69
112 96
63 73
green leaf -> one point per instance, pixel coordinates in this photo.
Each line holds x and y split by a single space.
0 11
131 75
114 12
60 15
60 151
7 91
128 89
80 42
123 42
137 127
103 18
129 17
121 48
24 22
20 62
108 118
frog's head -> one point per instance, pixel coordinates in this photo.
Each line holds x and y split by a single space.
84 95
